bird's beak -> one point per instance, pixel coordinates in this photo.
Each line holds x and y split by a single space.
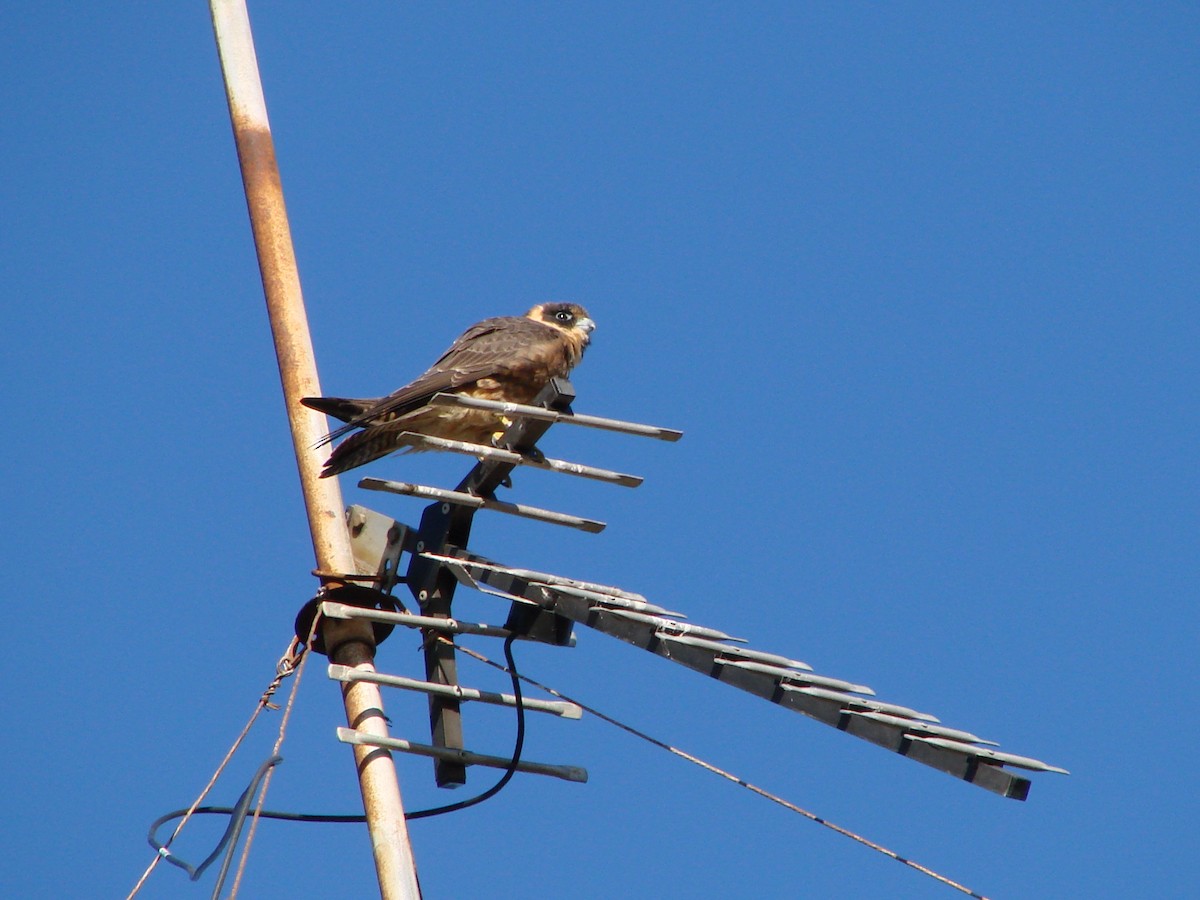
586 325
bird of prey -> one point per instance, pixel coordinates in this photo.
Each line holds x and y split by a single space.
508 358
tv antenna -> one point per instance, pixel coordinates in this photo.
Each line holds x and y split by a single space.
542 606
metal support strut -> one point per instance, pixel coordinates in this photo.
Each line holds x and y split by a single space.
432 585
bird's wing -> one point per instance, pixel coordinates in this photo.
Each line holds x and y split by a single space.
341 408
488 348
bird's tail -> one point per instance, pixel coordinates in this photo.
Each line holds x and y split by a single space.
364 447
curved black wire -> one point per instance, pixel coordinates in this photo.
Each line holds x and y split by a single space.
237 817
238 812
517 747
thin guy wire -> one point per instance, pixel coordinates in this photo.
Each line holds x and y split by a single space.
925 870
283 669
283 724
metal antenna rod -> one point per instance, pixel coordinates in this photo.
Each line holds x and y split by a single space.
350 642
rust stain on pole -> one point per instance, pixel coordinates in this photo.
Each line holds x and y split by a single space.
293 343
351 642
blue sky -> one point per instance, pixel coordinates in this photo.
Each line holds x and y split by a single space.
918 282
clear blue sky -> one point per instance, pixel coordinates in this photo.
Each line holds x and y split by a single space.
918 281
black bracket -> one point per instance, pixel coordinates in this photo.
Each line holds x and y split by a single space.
445 525
351 595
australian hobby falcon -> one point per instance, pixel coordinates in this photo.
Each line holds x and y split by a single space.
509 358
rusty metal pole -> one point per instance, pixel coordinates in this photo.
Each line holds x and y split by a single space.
350 643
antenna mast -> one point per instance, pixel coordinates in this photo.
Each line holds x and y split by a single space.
350 642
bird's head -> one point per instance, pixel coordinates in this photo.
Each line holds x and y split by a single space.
569 317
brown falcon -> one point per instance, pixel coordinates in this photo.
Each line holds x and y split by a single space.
509 358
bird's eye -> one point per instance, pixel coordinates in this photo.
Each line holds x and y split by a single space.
563 315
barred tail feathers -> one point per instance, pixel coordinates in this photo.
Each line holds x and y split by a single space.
364 447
